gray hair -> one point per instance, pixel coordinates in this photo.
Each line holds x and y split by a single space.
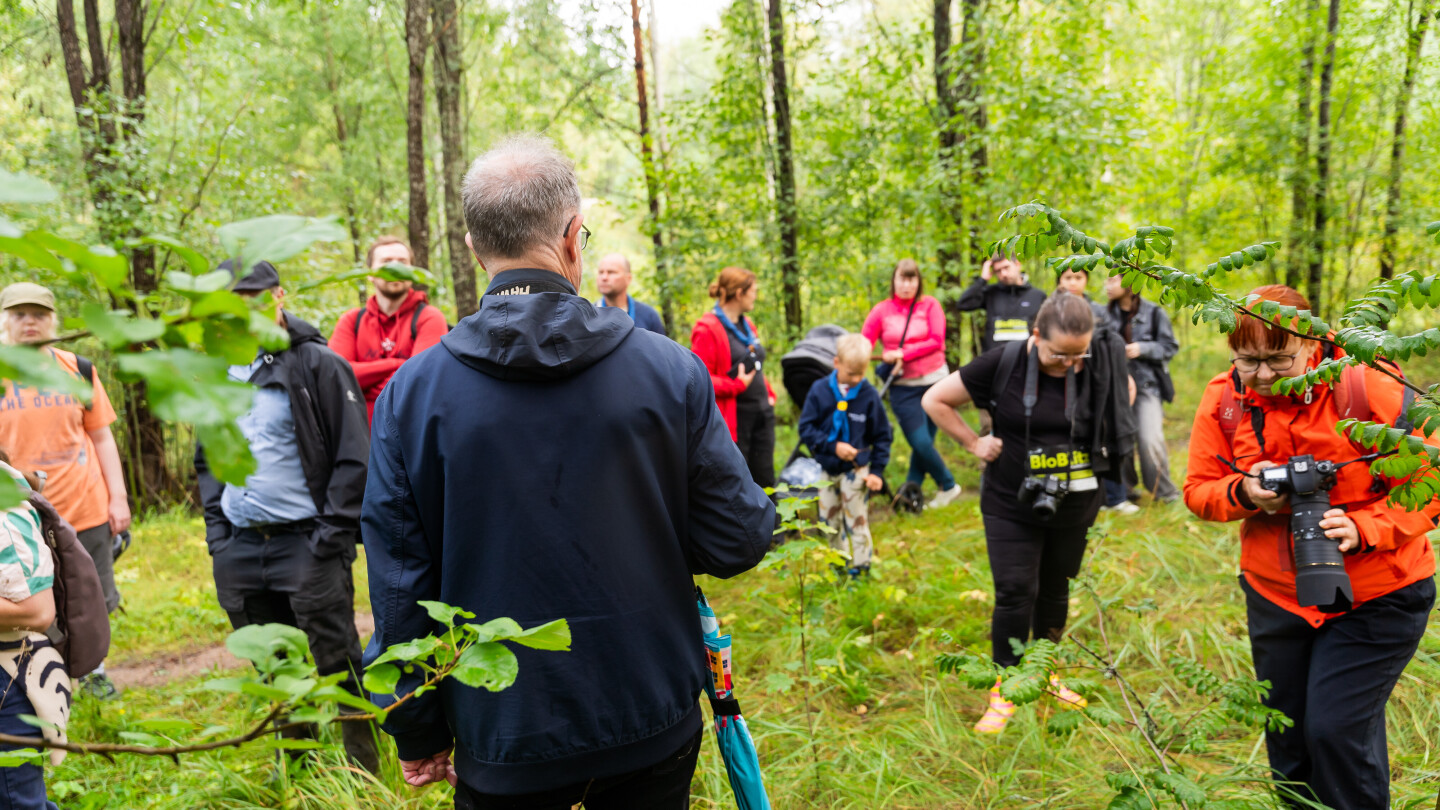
519 195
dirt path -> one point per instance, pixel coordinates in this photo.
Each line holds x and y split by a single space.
170 667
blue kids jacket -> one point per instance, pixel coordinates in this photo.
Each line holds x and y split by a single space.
869 428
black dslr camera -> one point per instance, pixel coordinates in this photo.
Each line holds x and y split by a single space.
1043 494
1320 578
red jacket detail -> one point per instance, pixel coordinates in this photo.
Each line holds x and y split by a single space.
383 342
1394 549
712 344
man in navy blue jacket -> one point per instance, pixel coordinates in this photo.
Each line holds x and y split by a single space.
844 425
550 460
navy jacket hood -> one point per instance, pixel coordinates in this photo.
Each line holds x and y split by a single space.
532 326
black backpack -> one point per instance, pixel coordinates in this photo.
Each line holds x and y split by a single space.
414 321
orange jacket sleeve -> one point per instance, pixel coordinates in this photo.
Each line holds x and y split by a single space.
1212 489
717 361
1383 526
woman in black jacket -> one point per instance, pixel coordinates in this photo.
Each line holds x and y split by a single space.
1054 402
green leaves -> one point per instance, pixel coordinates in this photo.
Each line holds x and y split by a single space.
277 237
390 271
1434 230
1242 258
118 329
489 664
22 188
34 373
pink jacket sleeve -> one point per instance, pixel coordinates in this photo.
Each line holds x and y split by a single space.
932 342
873 323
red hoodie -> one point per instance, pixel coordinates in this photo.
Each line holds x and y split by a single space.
382 342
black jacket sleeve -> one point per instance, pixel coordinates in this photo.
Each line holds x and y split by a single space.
217 526
346 427
973 297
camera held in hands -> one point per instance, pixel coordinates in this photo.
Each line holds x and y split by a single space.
1043 494
1320 578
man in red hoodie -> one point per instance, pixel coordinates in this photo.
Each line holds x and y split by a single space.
396 324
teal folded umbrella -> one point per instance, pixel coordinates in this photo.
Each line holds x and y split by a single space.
742 764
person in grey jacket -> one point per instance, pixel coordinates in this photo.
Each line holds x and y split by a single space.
1149 345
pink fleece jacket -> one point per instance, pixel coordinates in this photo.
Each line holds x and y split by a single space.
924 342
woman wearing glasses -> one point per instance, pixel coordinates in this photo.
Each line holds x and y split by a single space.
729 344
1061 407
1331 667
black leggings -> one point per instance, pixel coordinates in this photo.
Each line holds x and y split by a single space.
755 429
1031 567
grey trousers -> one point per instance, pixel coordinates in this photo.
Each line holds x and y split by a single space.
98 541
1151 450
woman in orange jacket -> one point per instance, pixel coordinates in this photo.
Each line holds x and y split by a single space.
730 347
1331 673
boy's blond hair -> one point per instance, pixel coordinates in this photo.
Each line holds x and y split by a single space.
852 350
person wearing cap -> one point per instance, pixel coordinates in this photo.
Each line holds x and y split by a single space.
58 434
396 324
284 542
613 282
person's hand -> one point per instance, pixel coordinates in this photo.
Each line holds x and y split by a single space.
1339 526
772 400
986 272
1132 350
432 769
745 377
1267 501
893 356
987 448
845 451
873 482
119 515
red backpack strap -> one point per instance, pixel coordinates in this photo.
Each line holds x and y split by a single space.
1352 401
1232 409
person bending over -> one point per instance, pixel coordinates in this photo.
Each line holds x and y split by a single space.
1061 406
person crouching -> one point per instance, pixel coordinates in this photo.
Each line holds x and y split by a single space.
845 427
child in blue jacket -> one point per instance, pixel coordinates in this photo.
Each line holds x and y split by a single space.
845 426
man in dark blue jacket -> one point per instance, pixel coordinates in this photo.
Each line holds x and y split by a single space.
550 460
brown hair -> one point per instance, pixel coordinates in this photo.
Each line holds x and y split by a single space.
1256 332
383 241
1066 313
909 269
731 282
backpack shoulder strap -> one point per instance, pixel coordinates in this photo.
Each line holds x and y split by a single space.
1351 399
1009 356
415 322
1231 408
359 313
86 369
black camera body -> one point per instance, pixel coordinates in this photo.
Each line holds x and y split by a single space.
1320 578
1043 494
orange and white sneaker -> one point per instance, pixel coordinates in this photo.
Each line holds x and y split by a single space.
997 715
1069 698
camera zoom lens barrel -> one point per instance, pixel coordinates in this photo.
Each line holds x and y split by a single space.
1320 578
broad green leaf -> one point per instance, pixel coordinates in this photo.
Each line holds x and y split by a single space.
226 451
443 613
35 375
231 339
108 267
21 756
277 237
220 302
118 329
19 245
501 628
390 271
197 263
185 386
489 665
23 188
549 636
262 643
382 678
198 287
418 649
12 493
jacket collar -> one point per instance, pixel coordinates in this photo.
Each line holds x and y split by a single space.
528 280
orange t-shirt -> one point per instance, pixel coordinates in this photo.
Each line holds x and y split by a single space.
45 430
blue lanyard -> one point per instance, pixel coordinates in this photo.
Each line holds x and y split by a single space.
629 305
840 422
742 332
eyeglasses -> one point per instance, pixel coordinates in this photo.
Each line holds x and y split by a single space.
584 233
1276 362
1058 357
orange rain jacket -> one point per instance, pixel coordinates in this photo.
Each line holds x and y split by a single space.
1394 549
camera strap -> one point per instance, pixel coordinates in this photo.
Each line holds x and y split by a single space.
1031 395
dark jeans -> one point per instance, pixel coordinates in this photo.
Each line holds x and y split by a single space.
920 432
1114 492
756 436
1334 681
23 786
274 575
1031 567
663 786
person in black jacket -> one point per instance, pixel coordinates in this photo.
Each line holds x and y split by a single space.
1061 415
550 460
283 543
1149 345
844 425
1010 303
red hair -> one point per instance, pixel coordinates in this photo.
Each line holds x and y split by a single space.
1255 332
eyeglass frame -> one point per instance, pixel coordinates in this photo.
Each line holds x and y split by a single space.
584 232
1238 361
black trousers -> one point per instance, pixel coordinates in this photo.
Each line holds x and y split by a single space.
755 433
273 575
662 786
1334 681
1031 567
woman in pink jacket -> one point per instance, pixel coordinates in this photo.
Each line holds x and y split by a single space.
910 327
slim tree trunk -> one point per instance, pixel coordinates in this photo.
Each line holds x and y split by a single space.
1315 276
1415 42
972 104
784 173
652 180
1300 181
416 46
949 255
445 19
661 145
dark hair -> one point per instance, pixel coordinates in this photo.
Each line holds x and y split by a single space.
1085 271
909 269
731 282
383 241
1064 312
1255 332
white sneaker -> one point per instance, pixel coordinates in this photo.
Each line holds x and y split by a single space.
944 497
1125 508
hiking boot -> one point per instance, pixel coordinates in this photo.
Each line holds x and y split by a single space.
99 686
997 715
360 744
944 497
